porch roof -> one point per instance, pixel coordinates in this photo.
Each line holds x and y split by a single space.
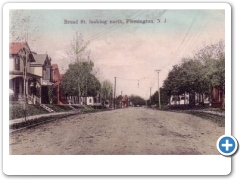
13 74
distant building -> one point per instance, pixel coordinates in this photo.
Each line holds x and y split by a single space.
125 102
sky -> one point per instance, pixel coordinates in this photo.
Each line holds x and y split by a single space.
131 52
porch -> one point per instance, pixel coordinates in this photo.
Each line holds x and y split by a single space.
16 86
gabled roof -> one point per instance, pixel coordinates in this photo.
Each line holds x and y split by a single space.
56 75
56 70
54 66
15 47
40 59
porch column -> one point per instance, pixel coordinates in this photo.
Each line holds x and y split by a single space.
40 94
13 85
21 86
27 87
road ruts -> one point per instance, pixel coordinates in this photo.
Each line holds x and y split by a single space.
129 131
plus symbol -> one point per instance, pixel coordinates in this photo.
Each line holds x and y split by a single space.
227 145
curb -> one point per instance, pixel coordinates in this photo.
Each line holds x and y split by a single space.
33 121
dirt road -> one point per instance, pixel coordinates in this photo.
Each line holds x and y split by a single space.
124 131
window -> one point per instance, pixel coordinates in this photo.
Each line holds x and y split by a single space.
17 63
51 74
46 73
90 100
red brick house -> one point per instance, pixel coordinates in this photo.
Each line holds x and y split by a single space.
125 101
218 97
56 80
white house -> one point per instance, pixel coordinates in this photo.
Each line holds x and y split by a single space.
184 99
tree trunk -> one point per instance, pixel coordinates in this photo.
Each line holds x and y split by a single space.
179 100
79 94
210 95
184 97
194 98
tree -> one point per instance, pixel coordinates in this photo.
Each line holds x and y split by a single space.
21 26
213 71
137 100
77 49
119 100
93 86
79 80
164 97
197 75
106 90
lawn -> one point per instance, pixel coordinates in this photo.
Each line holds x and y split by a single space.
17 110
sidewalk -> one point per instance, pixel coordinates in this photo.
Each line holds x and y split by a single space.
214 112
222 114
29 118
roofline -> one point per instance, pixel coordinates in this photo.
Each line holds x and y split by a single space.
36 65
21 73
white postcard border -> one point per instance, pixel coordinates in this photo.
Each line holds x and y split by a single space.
106 164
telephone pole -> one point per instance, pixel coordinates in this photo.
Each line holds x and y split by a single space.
115 93
158 89
121 99
150 97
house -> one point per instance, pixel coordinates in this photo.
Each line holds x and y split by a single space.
181 99
58 97
218 97
89 100
187 98
125 101
42 67
22 82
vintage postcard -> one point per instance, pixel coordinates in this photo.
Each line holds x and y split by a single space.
101 79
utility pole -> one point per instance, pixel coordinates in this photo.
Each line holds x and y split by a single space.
115 93
24 56
159 89
150 97
121 99
146 100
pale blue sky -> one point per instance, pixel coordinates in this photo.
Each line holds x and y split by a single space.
129 51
